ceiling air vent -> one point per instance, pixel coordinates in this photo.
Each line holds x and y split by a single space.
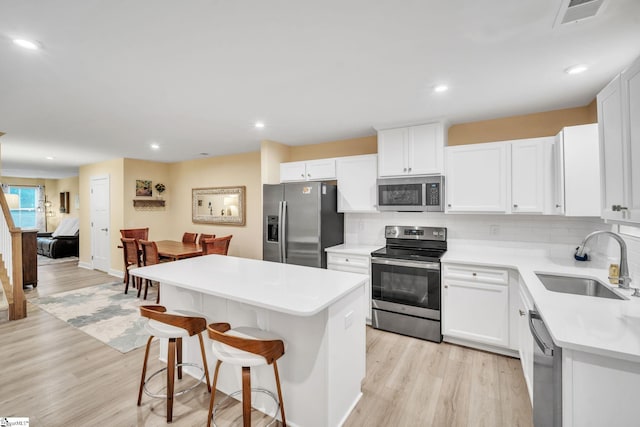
577 10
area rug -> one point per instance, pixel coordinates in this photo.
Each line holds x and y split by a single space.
44 260
102 311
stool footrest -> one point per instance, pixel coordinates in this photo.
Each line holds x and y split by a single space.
177 393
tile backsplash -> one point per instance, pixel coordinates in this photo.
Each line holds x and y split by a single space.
368 229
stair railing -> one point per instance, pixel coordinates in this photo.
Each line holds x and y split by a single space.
11 263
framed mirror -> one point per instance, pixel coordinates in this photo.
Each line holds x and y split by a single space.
218 205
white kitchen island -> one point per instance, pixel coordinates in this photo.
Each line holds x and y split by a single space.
319 313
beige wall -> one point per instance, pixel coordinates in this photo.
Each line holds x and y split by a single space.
53 188
226 171
156 218
271 155
342 148
535 125
115 170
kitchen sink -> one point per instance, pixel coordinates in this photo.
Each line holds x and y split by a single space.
577 286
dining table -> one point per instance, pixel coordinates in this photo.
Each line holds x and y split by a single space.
175 250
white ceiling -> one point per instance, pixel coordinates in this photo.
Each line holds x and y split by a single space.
114 76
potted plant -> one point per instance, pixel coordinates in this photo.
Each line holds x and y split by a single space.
160 188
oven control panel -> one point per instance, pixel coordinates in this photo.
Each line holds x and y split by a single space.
415 233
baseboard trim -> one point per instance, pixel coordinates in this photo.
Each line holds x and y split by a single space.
85 265
480 346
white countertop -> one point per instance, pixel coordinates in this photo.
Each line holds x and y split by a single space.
353 249
595 325
291 289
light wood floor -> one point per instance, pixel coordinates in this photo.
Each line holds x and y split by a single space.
58 376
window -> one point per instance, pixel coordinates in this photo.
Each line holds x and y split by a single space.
29 213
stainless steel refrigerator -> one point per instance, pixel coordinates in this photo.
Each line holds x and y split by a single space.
300 221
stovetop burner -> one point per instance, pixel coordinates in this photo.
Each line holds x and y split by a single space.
409 253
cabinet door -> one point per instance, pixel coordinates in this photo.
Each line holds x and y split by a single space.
425 150
293 171
476 311
353 264
356 177
528 176
321 169
477 178
558 175
631 137
612 160
581 170
392 152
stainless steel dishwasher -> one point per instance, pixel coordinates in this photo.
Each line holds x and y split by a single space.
547 375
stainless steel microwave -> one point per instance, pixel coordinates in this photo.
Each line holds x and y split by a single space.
417 194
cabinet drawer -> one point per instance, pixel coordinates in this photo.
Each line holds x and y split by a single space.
477 274
351 261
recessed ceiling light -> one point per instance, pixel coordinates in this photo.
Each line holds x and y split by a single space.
155 146
27 44
576 69
259 125
440 88
49 158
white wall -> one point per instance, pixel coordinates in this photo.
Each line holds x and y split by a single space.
368 229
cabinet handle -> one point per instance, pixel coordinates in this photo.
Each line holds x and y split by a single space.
618 208
515 206
404 170
558 206
347 259
309 175
409 169
446 286
302 175
474 274
449 205
522 313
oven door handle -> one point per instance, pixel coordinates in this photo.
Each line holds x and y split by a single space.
403 263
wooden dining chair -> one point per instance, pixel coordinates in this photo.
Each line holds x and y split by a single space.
149 257
189 237
205 236
135 233
131 260
219 246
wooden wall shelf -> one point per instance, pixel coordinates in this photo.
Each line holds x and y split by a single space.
151 203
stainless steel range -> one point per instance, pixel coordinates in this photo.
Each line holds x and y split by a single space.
405 281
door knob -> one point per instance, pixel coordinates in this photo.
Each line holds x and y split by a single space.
104 229
522 313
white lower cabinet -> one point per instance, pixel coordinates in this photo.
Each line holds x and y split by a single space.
525 339
353 263
475 304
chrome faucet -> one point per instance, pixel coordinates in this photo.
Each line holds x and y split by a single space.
624 279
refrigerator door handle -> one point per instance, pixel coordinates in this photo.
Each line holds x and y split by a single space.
283 232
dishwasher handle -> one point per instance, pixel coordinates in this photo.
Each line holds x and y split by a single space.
546 350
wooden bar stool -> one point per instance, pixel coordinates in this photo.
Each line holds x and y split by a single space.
245 347
173 326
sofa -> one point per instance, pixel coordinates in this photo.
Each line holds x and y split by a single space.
63 242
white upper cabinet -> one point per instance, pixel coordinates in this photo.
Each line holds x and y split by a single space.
413 150
619 131
577 171
530 175
507 177
312 170
356 177
477 177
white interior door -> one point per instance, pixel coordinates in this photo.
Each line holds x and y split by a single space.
99 201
